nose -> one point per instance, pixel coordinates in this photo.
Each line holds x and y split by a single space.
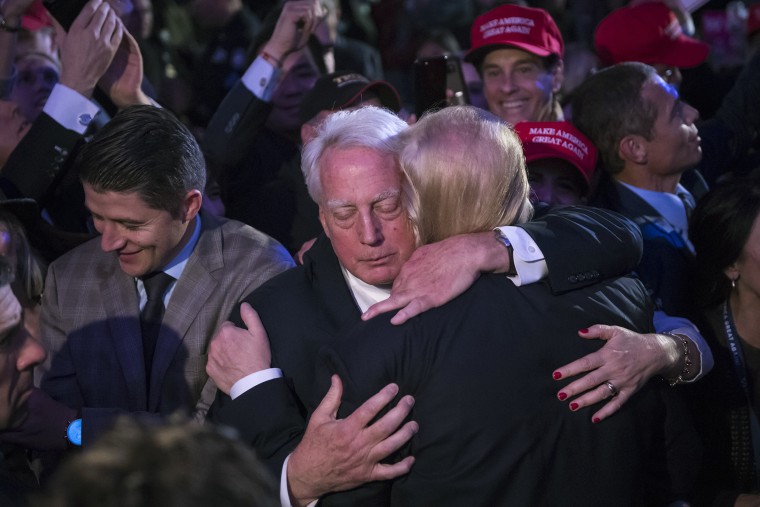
31 354
370 229
110 238
691 114
508 83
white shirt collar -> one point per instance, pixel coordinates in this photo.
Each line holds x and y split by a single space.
365 294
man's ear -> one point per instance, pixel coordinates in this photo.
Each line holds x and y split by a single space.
192 205
558 75
633 148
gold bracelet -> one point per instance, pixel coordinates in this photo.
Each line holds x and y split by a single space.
674 381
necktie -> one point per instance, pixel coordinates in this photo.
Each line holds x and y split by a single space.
688 203
152 314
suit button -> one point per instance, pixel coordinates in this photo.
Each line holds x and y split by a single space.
572 279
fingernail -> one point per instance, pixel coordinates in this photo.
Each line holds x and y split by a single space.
556 375
573 406
595 420
562 396
583 331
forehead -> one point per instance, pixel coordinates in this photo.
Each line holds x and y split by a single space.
510 56
116 205
357 173
659 93
35 61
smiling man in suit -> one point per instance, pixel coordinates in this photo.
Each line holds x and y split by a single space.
114 344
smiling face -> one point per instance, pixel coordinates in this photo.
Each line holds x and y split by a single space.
518 86
144 239
363 215
13 127
675 144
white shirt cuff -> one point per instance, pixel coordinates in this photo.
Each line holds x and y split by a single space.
284 494
261 78
70 109
529 260
248 382
664 323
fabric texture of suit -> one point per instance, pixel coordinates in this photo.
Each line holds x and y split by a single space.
310 306
492 432
90 325
667 265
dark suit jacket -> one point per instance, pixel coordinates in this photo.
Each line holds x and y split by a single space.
667 265
491 430
91 329
310 306
39 169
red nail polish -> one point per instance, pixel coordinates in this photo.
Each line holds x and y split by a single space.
573 406
595 420
562 396
556 375
583 331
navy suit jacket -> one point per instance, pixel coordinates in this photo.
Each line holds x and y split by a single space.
311 306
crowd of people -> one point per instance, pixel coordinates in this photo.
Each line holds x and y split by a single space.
235 269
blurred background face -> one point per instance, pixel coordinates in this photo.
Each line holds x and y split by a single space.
19 354
37 74
554 181
301 75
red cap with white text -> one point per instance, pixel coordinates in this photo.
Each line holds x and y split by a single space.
530 29
557 139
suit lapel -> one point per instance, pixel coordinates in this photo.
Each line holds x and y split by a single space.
190 295
121 306
653 226
330 285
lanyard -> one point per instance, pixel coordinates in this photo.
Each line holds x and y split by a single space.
734 347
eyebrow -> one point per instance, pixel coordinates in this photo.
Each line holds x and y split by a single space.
387 194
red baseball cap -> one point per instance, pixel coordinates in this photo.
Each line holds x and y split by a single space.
558 139
36 17
647 33
753 19
530 29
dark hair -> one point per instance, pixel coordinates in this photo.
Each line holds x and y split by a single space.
147 150
144 464
6 272
608 106
719 228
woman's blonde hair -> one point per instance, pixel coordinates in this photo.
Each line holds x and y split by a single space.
467 169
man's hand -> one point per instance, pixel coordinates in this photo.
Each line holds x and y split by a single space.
340 454
89 47
437 273
296 23
628 360
235 353
122 80
304 248
44 427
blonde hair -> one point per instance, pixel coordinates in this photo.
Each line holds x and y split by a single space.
468 172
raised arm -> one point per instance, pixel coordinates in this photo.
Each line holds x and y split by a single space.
579 245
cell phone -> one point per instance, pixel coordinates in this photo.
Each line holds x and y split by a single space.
64 11
435 75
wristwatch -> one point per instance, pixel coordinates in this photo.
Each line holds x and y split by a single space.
74 432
